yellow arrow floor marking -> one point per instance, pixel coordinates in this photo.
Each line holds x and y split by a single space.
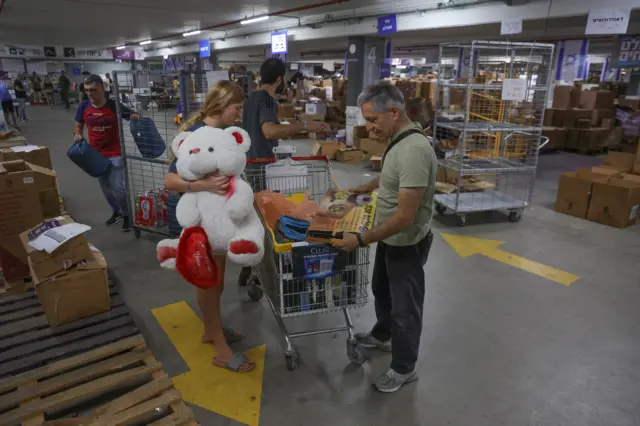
468 246
233 395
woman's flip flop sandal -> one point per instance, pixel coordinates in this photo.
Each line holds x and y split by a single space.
236 363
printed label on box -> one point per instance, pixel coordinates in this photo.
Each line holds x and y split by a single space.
634 212
28 180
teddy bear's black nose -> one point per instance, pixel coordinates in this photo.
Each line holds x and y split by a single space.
210 149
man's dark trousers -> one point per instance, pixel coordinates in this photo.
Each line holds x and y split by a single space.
398 286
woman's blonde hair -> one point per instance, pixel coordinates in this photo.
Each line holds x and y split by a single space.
220 96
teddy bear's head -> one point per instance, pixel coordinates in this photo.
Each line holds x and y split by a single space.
209 150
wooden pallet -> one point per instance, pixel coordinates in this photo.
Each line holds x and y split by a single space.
27 341
114 385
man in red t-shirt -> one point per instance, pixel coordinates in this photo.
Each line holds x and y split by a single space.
101 119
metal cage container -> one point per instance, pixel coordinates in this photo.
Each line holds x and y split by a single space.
166 99
493 101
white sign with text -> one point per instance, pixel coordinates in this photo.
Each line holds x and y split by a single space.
514 89
511 26
608 21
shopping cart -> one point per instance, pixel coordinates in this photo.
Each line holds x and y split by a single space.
288 294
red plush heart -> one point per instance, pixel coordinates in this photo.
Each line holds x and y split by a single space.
195 261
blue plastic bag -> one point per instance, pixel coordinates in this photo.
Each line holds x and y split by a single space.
89 159
147 138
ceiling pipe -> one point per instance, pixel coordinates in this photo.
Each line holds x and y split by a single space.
237 21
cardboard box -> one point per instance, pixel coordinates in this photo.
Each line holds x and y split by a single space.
318 136
583 123
76 293
574 192
376 162
20 210
573 139
573 115
557 137
558 117
621 161
38 155
372 148
349 155
631 103
548 117
13 141
598 115
360 132
601 99
607 123
565 97
64 257
308 117
592 139
615 203
286 111
327 148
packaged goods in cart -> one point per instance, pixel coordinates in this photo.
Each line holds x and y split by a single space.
151 208
346 212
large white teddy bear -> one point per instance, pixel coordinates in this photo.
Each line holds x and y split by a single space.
230 221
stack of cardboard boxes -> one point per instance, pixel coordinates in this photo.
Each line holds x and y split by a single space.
609 194
37 243
581 120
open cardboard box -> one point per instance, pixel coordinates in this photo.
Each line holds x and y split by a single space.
76 293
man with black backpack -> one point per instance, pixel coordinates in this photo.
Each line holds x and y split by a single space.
406 188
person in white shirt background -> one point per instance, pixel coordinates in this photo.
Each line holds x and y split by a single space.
108 85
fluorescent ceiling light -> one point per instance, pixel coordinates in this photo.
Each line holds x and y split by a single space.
142 43
253 20
191 33
121 47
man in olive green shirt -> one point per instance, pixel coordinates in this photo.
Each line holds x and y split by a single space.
406 188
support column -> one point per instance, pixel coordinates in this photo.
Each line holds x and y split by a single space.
365 56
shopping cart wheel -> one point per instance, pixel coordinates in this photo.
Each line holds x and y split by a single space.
136 232
255 292
291 360
462 220
356 353
515 216
440 208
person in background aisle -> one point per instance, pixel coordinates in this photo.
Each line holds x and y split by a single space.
406 189
21 96
37 87
7 105
260 120
47 87
221 109
81 93
100 117
108 85
65 85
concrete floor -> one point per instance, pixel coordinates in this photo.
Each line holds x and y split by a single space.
500 346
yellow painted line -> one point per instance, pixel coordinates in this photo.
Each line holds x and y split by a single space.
233 395
468 246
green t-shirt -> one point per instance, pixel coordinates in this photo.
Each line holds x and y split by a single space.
411 163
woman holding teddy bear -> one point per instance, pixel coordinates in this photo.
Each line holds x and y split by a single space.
221 109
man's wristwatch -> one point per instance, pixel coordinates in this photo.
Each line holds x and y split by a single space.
360 241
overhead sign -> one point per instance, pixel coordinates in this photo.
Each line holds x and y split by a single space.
608 21
571 62
511 26
50 51
69 52
608 73
76 72
129 55
626 52
387 24
514 89
279 42
205 48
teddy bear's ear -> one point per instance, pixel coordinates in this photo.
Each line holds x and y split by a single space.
241 137
177 141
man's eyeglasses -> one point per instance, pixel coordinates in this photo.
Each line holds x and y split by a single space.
92 90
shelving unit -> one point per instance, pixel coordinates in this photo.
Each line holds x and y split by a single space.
498 118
